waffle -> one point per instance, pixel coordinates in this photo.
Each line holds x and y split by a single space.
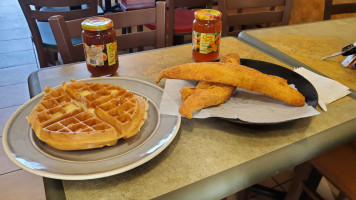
87 115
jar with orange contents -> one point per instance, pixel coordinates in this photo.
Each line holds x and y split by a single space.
206 35
100 47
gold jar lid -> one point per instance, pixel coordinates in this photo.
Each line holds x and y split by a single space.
207 14
97 24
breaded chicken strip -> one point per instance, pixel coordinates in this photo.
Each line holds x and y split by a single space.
207 94
213 94
236 75
231 58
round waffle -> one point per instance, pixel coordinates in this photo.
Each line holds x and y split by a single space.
83 115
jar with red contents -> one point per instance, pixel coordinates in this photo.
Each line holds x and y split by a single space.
100 47
206 35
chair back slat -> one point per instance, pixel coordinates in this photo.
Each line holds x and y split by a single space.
161 26
78 56
61 3
191 3
136 4
338 8
137 39
75 29
68 15
238 15
42 10
348 8
65 30
255 18
254 3
126 41
147 16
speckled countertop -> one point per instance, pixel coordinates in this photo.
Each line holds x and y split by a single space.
309 43
202 147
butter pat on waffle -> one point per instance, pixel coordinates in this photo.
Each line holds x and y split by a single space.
87 115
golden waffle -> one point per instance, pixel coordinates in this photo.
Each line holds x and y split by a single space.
86 115
125 113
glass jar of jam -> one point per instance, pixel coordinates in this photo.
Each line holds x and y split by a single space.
206 35
100 47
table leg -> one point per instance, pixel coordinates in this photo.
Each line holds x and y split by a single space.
54 189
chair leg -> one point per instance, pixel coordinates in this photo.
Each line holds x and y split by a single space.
267 191
310 186
310 193
178 39
42 58
301 173
341 196
243 194
140 29
50 58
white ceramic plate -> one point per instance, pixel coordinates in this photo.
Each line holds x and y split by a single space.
24 149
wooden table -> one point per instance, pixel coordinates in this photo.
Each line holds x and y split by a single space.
209 158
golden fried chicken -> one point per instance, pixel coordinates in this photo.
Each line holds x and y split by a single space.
200 98
207 94
236 75
231 58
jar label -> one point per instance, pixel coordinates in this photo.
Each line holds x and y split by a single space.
100 55
206 42
112 55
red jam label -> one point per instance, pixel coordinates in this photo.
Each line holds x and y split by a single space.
100 55
206 42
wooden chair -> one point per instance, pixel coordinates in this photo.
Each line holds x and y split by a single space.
181 14
37 14
238 15
65 30
337 165
127 5
335 8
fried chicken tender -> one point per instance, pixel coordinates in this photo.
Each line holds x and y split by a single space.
231 58
236 75
207 94
188 91
200 98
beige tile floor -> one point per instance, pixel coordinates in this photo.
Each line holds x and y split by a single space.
17 61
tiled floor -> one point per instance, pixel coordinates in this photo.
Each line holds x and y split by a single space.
17 61
15 43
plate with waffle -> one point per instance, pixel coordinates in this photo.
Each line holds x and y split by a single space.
90 128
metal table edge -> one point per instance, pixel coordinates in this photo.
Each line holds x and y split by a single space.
53 187
33 84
